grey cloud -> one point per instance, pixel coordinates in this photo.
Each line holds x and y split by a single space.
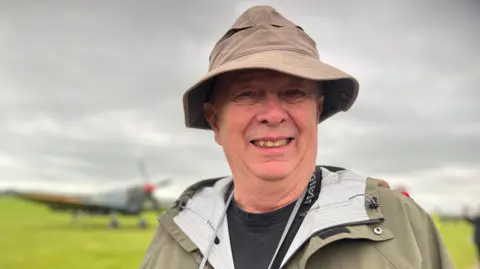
75 63
55 157
82 58
403 148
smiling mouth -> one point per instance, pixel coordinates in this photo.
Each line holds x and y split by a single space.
272 143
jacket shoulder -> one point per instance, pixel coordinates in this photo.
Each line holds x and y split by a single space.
412 226
395 200
165 251
395 205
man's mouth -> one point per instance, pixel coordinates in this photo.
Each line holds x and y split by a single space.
272 143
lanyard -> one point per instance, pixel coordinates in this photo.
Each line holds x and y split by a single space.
289 224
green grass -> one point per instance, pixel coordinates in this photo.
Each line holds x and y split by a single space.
457 237
33 237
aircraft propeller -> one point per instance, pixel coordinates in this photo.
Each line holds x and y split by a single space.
150 187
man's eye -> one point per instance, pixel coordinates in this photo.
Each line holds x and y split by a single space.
246 97
294 95
246 94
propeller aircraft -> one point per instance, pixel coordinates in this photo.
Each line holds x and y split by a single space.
127 201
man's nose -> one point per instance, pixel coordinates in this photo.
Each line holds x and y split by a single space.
272 111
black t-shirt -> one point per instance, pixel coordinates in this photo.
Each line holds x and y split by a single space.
255 237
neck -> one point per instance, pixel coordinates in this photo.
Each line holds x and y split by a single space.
260 196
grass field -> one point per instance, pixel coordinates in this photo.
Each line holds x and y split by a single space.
457 237
33 237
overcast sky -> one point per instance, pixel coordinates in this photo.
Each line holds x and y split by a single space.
87 87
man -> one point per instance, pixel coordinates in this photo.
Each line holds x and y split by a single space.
263 98
474 219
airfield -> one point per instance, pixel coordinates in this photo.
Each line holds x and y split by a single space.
34 237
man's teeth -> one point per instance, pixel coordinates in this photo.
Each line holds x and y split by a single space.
271 144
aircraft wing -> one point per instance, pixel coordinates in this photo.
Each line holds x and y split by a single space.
57 202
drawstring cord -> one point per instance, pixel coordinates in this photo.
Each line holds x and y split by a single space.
210 246
373 200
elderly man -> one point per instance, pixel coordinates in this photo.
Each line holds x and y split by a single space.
263 98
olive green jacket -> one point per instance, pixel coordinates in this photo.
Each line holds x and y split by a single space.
355 223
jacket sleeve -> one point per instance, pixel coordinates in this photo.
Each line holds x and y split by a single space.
430 243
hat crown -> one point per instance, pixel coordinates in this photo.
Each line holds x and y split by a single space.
258 29
262 15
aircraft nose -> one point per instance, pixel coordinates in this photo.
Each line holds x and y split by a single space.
149 188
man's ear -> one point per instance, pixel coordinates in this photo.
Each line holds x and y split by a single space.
210 115
320 106
212 118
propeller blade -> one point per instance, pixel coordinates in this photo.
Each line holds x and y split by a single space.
143 170
164 183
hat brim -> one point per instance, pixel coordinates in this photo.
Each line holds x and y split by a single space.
341 89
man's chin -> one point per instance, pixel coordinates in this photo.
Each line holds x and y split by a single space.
272 172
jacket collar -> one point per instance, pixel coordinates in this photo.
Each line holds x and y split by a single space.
346 200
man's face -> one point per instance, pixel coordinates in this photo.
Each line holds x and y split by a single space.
266 122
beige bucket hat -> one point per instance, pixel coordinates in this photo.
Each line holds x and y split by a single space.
262 38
